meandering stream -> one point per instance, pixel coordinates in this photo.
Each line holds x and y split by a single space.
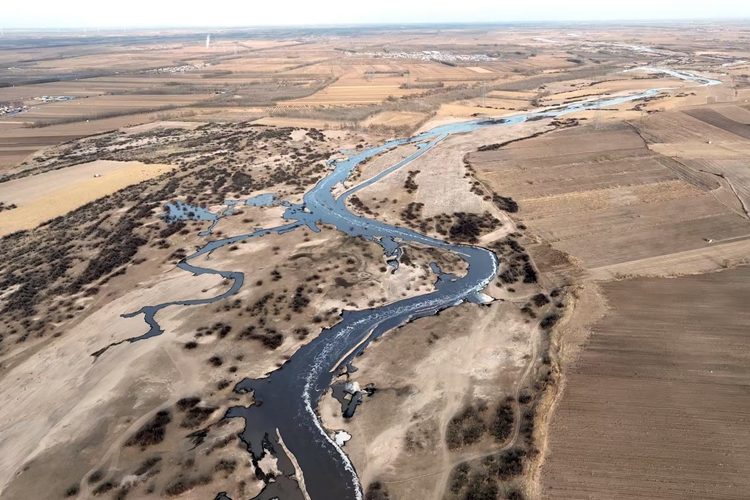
290 394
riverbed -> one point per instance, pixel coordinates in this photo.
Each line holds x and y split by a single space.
287 398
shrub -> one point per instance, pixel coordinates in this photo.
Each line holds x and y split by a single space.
152 432
540 300
225 465
514 494
529 272
104 488
147 465
465 429
502 423
377 491
180 485
482 488
187 403
549 321
459 478
506 464
195 416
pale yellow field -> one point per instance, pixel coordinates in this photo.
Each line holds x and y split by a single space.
394 118
355 93
51 194
93 106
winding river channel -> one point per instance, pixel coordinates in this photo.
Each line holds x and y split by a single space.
284 417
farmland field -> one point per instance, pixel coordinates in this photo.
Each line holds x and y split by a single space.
45 196
602 196
656 405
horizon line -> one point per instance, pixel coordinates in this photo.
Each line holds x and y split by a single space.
355 24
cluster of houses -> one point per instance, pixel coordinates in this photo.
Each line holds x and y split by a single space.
427 55
54 98
179 69
10 109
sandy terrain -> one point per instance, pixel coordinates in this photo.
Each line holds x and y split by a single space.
65 388
422 382
45 196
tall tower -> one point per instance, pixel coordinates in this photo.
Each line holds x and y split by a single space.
208 40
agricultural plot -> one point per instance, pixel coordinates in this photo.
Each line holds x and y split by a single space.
720 121
105 106
600 195
656 406
42 197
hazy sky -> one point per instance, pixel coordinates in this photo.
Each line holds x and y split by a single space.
134 13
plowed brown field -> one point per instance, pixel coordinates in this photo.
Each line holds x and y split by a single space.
657 405
601 195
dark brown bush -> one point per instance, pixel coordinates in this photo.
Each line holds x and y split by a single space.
196 416
465 429
502 423
187 403
152 432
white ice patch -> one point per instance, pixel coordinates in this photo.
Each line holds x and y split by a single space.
683 75
351 387
341 437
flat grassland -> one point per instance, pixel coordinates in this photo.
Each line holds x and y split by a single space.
656 407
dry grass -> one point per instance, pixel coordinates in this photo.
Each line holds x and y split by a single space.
46 196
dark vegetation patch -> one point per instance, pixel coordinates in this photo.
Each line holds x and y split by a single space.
196 415
461 227
181 484
505 203
147 465
489 478
377 491
540 300
185 404
549 321
4 207
104 488
515 263
466 428
153 432
502 422
96 476
468 227
409 184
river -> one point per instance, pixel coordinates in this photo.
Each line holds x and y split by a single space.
290 394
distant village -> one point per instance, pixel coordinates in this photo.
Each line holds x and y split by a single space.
6 109
14 109
179 69
427 55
